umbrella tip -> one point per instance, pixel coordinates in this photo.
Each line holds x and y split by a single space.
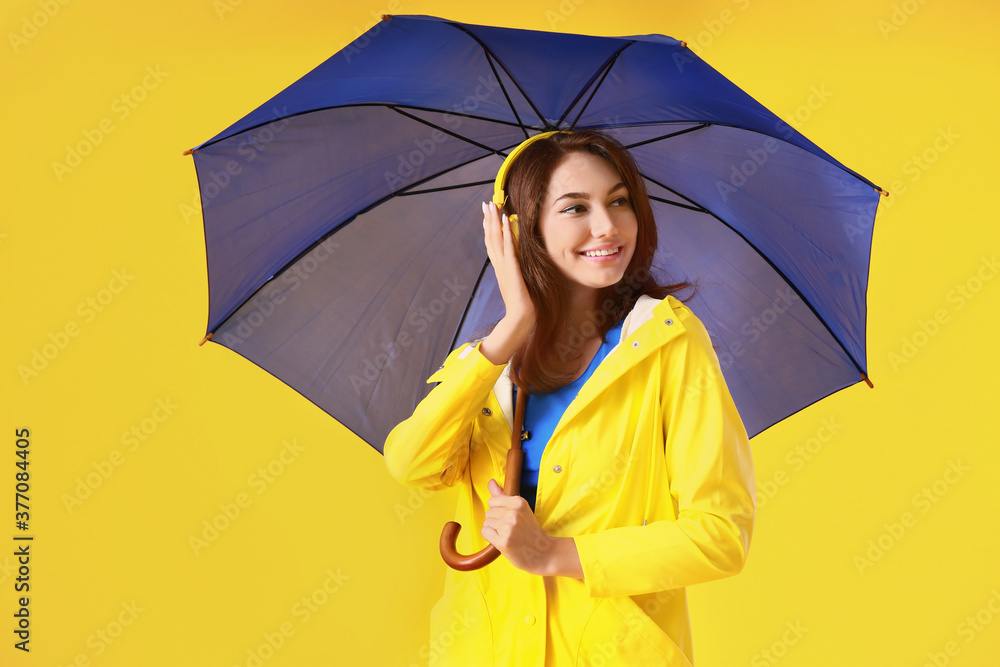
386 17
867 381
884 193
190 151
683 44
205 339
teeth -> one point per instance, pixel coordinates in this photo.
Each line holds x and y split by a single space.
601 253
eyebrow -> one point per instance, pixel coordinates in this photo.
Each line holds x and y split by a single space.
584 195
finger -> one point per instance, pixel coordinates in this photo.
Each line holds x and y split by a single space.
498 508
493 231
494 487
493 526
502 503
501 511
508 236
495 223
501 529
492 220
493 537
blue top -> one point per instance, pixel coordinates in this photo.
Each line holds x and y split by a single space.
543 412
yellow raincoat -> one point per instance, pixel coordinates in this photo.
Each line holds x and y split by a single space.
649 471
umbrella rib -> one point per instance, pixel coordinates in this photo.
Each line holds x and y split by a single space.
490 54
780 273
828 159
405 191
408 189
461 323
670 189
306 112
449 113
678 204
668 136
449 132
603 71
490 57
445 187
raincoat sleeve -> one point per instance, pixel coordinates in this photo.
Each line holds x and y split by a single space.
430 449
710 473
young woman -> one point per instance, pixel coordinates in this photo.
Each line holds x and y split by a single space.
637 479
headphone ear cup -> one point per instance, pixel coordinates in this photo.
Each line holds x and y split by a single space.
513 226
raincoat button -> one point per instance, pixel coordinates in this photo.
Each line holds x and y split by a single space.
668 322
635 344
556 468
487 412
530 620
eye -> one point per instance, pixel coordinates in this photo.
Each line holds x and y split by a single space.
620 201
575 208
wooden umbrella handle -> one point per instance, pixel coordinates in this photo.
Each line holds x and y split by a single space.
511 487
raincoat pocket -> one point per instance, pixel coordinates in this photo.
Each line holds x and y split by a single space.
619 634
461 630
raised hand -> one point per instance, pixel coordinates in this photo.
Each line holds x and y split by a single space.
519 317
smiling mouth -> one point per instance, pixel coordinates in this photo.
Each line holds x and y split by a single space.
601 253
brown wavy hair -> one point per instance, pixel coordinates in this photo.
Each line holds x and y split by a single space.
545 357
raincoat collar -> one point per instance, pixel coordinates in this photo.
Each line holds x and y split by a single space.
649 325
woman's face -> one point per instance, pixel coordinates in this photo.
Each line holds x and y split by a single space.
587 223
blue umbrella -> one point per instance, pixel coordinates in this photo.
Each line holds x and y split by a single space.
343 218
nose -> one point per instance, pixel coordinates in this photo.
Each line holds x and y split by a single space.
602 222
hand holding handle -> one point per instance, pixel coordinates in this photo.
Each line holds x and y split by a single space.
511 487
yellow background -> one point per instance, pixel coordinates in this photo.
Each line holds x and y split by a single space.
895 78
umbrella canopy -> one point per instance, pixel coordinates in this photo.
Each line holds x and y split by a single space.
343 217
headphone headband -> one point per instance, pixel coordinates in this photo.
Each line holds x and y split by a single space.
499 196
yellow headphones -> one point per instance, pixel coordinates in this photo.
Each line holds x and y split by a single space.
499 196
